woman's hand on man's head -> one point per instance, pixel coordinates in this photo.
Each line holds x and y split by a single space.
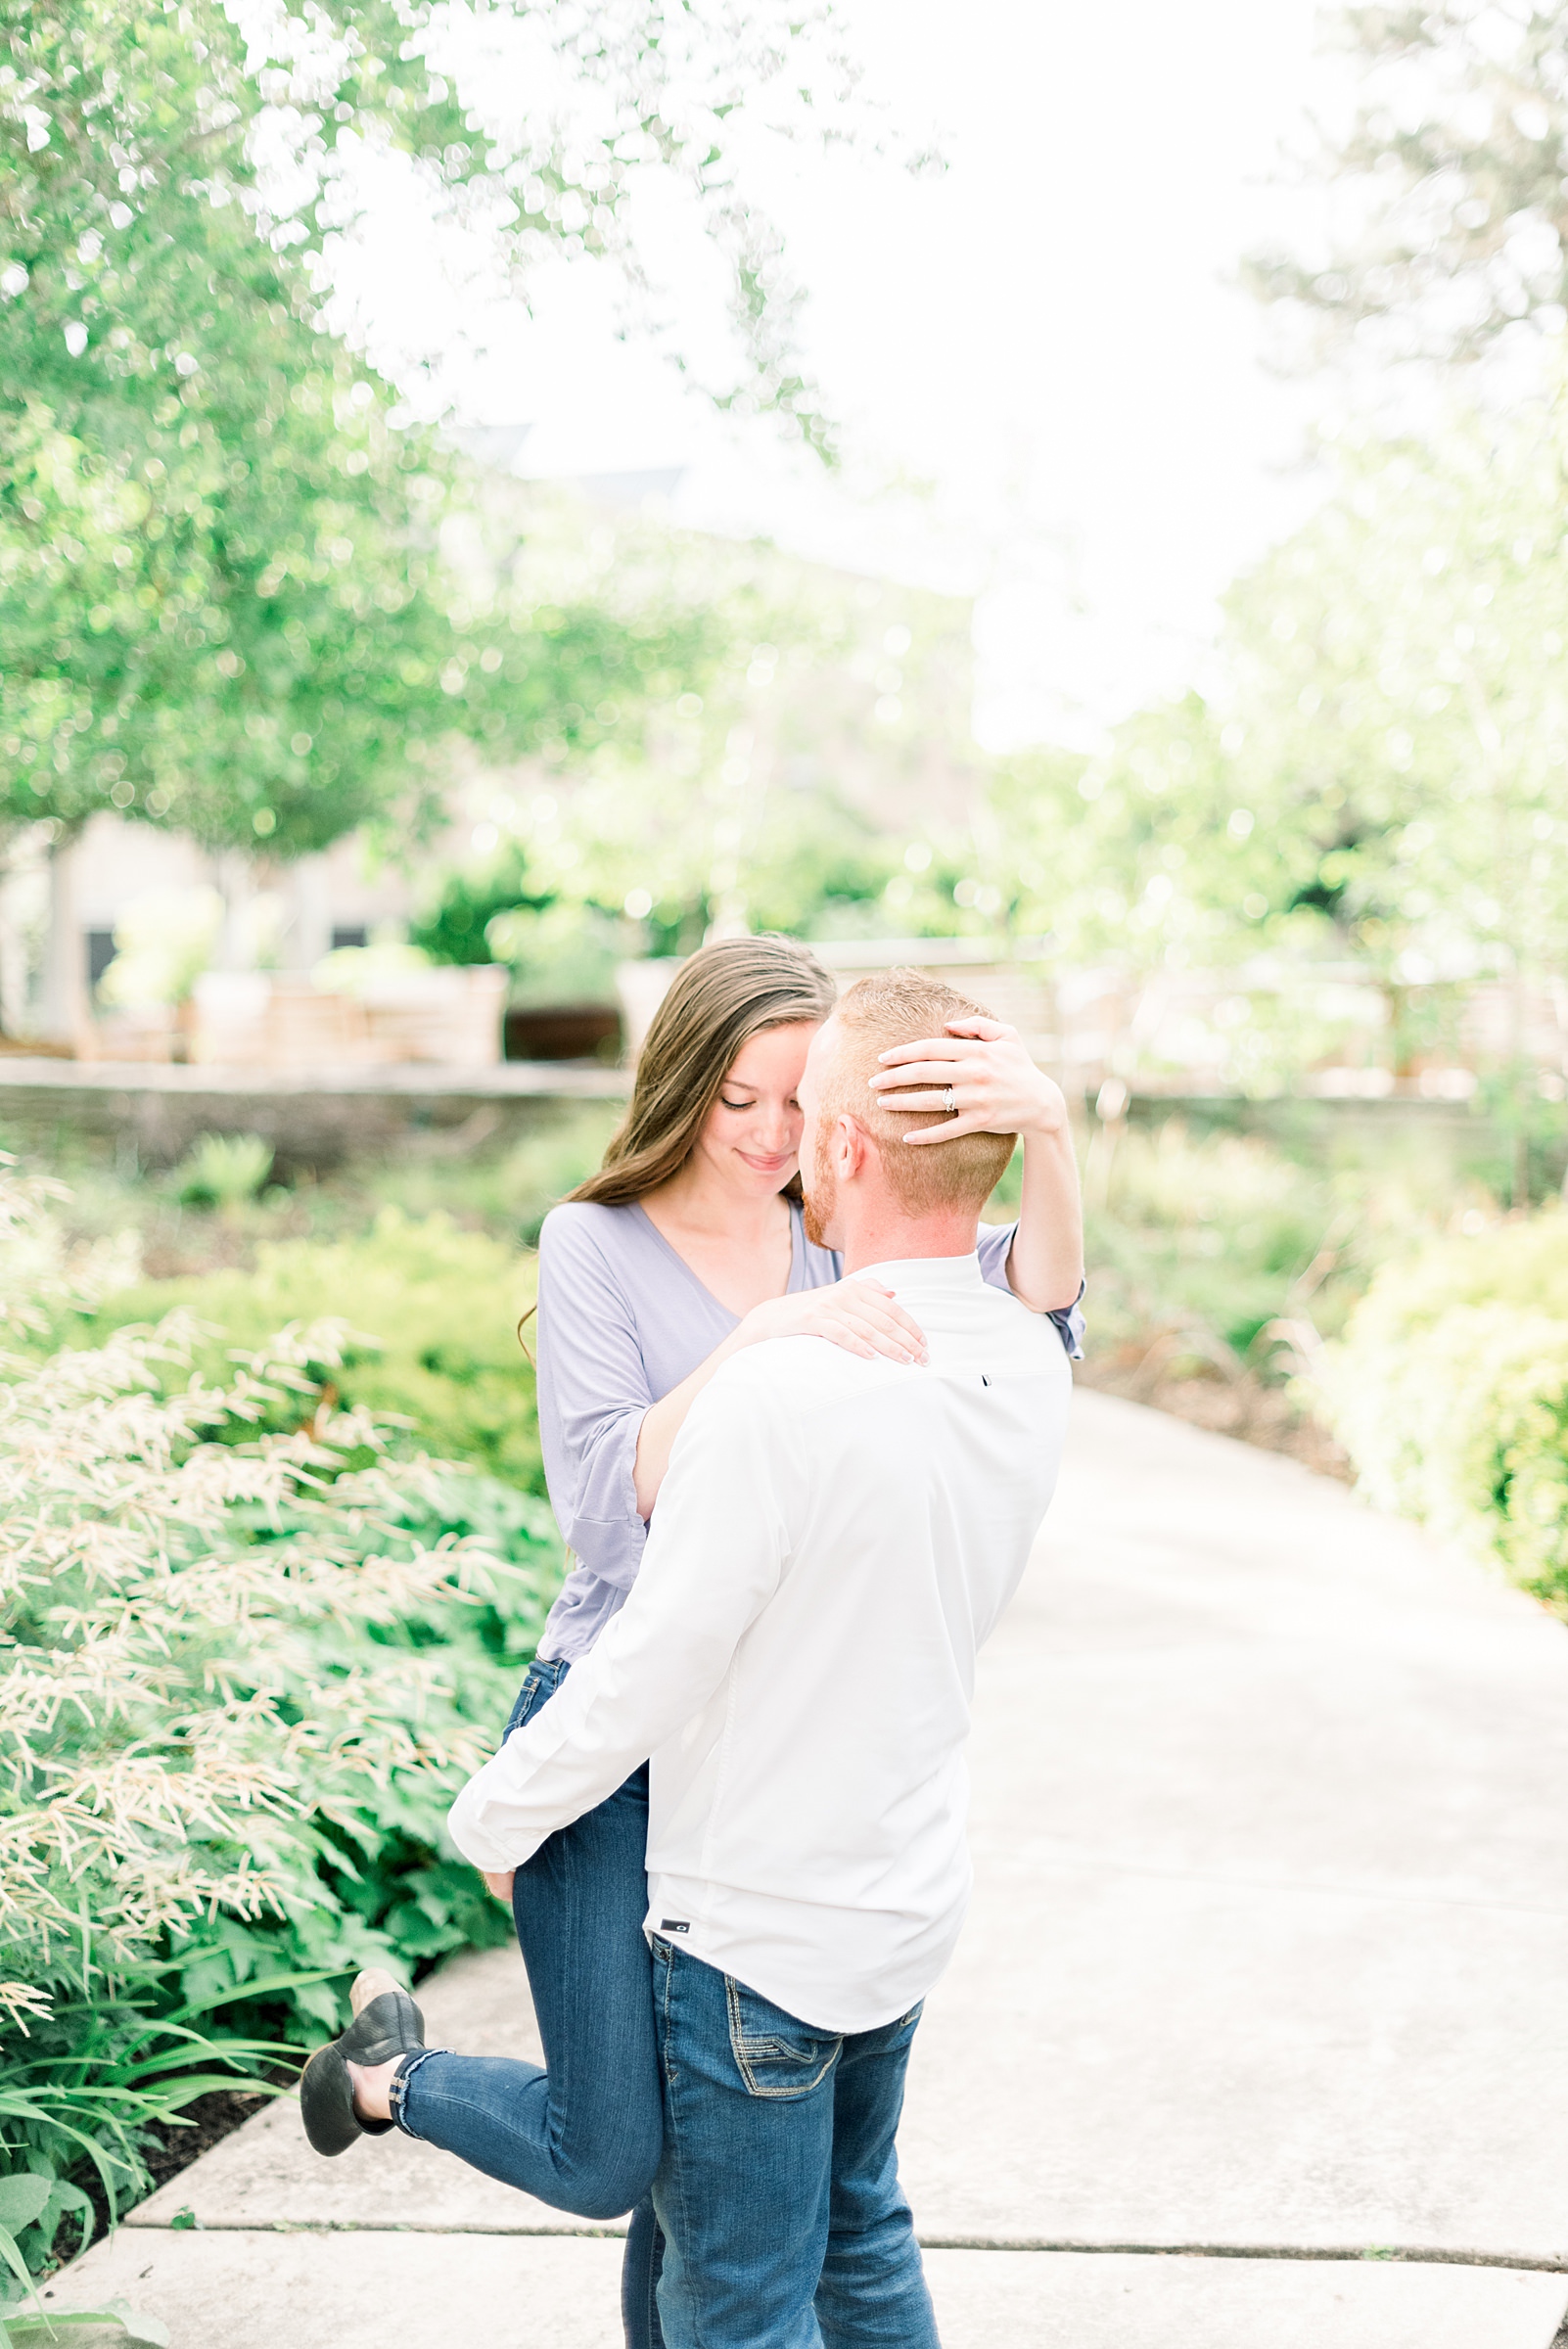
996 1087
860 1316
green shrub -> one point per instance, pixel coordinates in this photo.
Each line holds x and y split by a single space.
45 1282
509 1191
560 953
1450 1391
254 1641
452 927
1198 1238
223 1169
431 1314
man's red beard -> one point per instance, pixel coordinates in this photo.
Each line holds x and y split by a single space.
820 1198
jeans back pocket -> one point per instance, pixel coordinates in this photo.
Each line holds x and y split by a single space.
539 1684
775 2053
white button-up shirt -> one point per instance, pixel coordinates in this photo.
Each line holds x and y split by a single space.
833 1541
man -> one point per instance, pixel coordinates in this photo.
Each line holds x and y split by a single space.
833 1539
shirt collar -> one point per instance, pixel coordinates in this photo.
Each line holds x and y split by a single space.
926 1271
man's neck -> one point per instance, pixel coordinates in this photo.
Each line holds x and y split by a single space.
899 1239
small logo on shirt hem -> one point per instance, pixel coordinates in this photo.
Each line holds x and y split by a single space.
675 1924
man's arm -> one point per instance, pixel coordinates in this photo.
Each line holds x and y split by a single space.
714 1558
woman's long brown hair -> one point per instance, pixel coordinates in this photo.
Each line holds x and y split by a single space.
718 1001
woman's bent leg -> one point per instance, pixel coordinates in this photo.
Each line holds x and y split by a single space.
584 2134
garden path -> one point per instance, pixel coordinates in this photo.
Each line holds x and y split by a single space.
1254 2040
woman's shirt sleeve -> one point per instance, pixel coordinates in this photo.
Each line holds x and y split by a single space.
593 1393
995 1245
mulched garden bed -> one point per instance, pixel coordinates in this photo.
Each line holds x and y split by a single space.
171 2146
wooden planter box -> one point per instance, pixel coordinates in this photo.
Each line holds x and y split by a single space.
450 1016
562 1031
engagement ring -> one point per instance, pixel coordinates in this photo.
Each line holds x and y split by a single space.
950 1101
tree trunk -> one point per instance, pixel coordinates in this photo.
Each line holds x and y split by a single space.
67 1014
235 880
11 1004
310 914
1523 1077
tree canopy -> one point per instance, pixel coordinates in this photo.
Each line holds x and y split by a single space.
225 599
1450 220
572 125
1378 771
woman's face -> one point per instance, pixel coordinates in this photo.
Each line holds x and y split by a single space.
751 1137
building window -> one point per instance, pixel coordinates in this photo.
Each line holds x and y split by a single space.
349 933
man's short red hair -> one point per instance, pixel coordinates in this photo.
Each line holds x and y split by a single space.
900 1007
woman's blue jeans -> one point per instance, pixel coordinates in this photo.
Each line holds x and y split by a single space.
584 2134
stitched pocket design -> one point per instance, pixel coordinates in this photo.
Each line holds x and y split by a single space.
533 1693
775 2055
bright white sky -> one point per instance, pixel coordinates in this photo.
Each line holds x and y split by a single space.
1039 345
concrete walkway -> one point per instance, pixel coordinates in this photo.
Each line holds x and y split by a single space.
1255 2035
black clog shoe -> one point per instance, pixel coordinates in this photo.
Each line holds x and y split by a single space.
385 2024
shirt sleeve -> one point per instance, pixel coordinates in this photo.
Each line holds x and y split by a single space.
593 1394
714 1559
995 1245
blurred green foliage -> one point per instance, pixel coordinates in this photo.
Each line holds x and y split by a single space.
1450 1391
1199 1238
502 1187
802 783
1456 140
562 954
1215 1250
224 604
432 1311
1380 775
560 950
222 1170
454 926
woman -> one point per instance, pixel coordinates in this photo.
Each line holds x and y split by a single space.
687 1246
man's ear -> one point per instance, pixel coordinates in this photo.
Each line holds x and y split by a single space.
854 1146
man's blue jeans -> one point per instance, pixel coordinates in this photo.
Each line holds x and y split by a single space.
778 2192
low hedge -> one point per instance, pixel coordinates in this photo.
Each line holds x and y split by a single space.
1450 1391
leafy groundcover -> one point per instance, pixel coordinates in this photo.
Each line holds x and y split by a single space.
253 1639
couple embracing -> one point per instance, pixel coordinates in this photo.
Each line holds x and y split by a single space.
801 1417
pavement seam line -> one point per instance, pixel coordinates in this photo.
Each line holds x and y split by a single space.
1385 2254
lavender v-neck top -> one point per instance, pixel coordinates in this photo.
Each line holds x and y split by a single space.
622 1318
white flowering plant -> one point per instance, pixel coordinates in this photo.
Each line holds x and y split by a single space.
250 1641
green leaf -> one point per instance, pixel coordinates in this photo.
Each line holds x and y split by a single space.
265 1986
26 2109
141 2332
11 2253
21 2198
133 2331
